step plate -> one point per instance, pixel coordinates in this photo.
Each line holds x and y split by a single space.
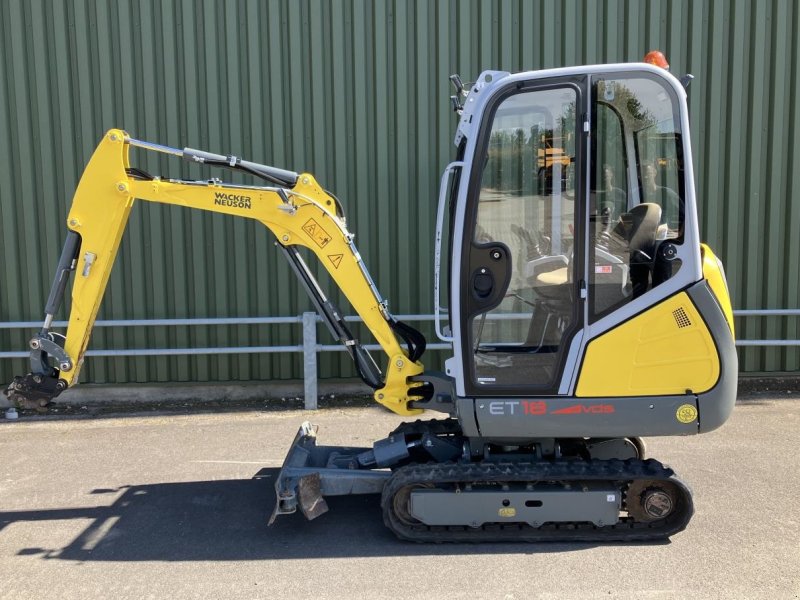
599 505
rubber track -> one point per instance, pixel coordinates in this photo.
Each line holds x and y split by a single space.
619 473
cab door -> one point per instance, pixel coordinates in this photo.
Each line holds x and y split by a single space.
521 289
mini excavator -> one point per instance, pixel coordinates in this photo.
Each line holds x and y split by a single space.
582 309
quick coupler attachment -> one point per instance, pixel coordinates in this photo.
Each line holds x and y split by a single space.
34 390
48 360
311 472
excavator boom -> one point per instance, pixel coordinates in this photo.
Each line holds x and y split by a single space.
294 208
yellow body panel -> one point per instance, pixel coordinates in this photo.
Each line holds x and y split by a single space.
100 210
712 272
666 350
99 214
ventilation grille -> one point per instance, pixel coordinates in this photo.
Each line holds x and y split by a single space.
681 318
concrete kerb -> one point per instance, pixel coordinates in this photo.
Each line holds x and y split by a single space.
788 383
281 392
202 393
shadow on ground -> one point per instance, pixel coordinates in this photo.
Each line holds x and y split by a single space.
227 520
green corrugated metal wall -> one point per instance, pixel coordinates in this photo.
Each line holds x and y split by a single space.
357 93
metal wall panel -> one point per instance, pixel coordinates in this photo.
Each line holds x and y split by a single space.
357 93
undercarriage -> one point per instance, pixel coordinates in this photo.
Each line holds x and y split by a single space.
438 486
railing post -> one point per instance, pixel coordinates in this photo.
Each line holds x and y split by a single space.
310 359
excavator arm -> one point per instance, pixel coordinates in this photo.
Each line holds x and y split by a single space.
294 208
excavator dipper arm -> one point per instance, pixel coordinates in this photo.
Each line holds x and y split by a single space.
296 210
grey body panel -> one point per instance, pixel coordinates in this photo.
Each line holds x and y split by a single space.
546 504
716 405
465 409
506 419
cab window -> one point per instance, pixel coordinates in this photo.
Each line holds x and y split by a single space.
520 272
636 197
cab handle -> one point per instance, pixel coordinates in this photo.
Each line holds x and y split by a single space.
438 310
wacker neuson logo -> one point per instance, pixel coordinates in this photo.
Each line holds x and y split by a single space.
234 200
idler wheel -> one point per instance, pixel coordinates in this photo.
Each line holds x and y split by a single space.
650 500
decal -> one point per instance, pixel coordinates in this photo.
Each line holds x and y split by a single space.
686 413
534 407
603 269
507 511
539 407
233 200
317 233
498 407
336 259
580 409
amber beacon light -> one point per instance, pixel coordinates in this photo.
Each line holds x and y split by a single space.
657 58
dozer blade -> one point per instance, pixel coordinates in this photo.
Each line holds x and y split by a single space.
311 472
297 458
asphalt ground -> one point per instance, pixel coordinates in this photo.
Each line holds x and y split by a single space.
167 506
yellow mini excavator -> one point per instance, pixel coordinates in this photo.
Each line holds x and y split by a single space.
582 310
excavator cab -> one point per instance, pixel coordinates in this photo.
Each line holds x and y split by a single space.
577 299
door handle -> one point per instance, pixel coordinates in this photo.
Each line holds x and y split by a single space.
482 284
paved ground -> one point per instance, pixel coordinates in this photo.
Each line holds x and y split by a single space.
166 506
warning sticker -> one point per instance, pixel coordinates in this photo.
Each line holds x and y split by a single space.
317 233
336 259
686 413
604 269
507 512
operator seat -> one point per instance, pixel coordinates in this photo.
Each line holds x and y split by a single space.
639 227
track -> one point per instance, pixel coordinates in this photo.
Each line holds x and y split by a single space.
625 475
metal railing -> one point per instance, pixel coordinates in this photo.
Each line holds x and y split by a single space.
788 312
310 346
